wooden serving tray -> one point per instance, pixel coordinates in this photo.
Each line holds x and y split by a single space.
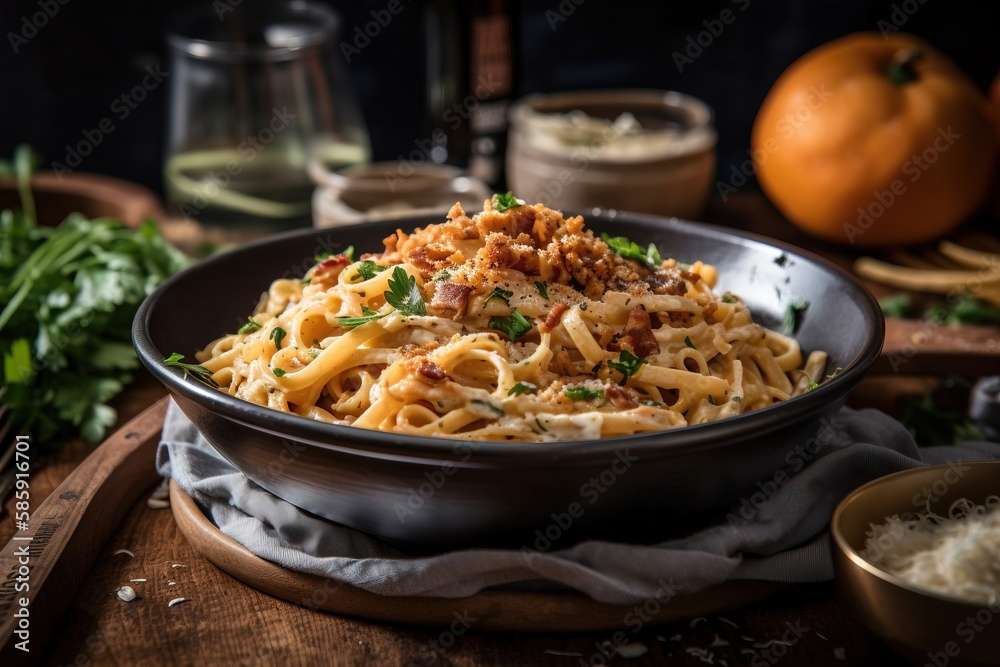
496 610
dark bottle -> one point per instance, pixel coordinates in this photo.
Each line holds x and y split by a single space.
470 83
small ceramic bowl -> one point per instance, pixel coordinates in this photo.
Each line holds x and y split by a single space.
647 151
922 625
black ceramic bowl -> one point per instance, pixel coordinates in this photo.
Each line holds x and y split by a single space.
443 492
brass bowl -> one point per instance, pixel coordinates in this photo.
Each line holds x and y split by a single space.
922 625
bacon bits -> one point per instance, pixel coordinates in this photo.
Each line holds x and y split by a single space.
431 371
621 398
451 300
552 319
638 332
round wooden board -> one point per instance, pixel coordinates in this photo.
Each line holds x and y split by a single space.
505 611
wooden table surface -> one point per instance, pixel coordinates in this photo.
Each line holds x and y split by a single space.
227 623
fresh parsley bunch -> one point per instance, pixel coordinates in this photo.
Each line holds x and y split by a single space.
68 295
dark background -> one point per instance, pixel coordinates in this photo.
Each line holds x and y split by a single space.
65 78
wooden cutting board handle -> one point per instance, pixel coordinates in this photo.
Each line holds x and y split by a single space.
68 530
919 347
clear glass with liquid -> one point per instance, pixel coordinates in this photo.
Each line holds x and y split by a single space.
256 94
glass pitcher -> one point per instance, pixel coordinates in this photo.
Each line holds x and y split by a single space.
256 94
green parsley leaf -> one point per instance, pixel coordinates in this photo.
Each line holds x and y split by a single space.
687 341
506 201
582 394
514 326
543 289
404 295
370 316
897 305
499 293
492 407
812 385
277 335
522 388
199 372
793 316
966 311
628 364
349 253
278 372
441 275
249 327
728 298
631 250
369 269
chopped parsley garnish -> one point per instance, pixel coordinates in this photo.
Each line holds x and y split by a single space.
404 295
506 201
628 364
812 385
583 394
543 289
369 316
514 326
631 250
443 274
277 335
687 341
522 388
278 372
499 293
348 252
728 298
199 372
368 269
492 407
249 327
793 315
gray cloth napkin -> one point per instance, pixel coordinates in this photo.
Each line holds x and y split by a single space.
776 536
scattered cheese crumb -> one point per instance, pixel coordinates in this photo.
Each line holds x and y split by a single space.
124 551
177 601
632 650
126 593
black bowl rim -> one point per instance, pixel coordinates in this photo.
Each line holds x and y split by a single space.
406 447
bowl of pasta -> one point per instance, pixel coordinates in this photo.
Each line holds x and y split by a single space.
482 377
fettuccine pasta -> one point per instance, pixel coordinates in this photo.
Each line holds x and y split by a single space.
512 324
